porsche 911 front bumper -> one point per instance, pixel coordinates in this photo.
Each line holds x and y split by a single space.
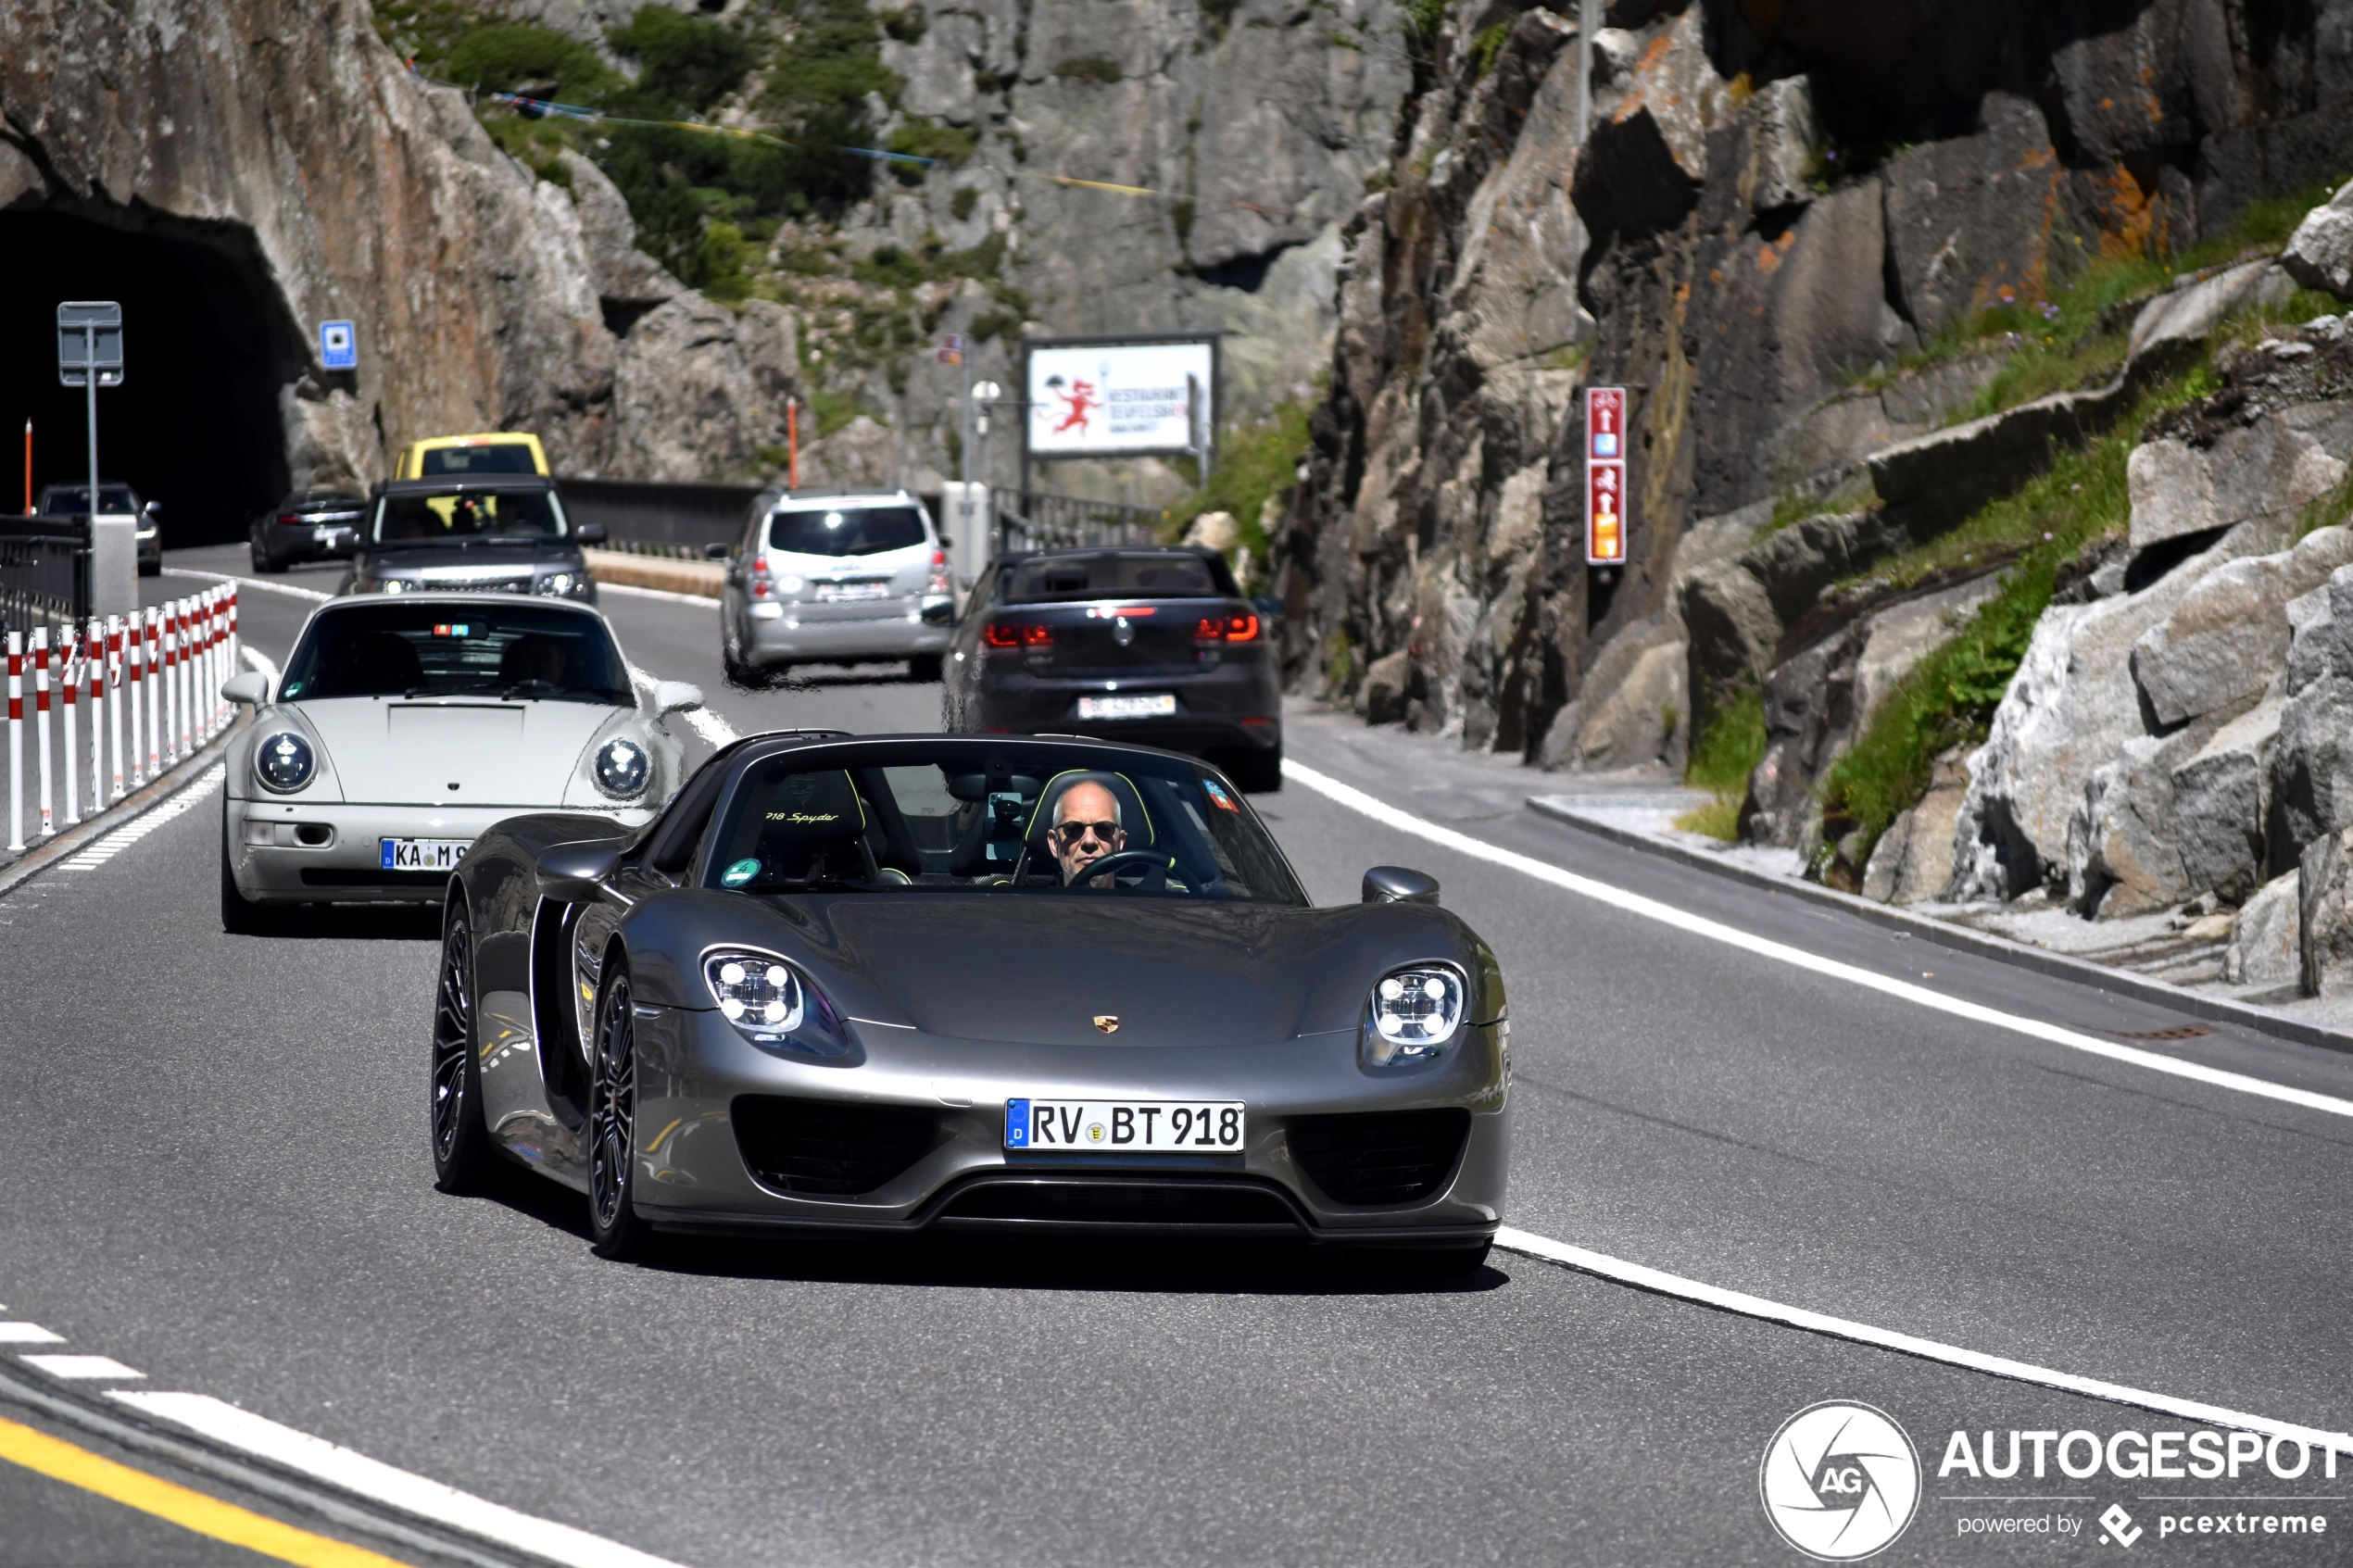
907 1133
323 852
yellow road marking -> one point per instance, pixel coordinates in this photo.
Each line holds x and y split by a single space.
61 1461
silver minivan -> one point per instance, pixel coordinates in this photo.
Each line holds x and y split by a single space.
835 577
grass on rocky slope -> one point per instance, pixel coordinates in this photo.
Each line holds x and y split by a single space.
1723 756
1254 463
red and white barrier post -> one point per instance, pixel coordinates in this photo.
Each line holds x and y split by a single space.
154 634
15 742
94 665
113 709
41 724
68 686
236 648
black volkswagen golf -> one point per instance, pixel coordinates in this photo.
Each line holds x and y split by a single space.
1154 644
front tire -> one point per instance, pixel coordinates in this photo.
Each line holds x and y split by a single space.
462 1150
240 916
1258 772
923 668
614 1229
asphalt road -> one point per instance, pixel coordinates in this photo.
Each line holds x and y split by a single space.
219 1177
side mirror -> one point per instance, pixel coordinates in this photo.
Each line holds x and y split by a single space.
717 552
152 507
946 543
940 614
590 532
675 697
248 690
1395 884
574 873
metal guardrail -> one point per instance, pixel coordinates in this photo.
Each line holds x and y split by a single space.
657 517
1034 520
45 571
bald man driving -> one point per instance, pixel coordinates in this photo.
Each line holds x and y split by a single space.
1086 829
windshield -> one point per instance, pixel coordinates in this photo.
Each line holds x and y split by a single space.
1138 574
852 530
421 649
67 498
497 457
1018 818
523 516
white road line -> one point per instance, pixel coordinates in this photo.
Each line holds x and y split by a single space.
381 1483
715 729
99 853
702 601
1642 1278
80 1366
28 1333
262 582
1666 914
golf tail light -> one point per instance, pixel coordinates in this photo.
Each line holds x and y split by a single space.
1413 1015
283 761
622 767
1226 629
761 995
1001 634
1037 635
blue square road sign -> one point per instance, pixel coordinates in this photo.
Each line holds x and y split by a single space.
338 346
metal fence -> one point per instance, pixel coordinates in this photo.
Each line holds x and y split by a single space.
657 518
1033 520
45 571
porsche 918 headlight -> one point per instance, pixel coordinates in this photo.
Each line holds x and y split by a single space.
622 768
762 996
1413 1015
283 761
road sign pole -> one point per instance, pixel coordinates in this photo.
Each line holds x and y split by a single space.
90 395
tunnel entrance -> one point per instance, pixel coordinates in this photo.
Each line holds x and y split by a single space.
206 346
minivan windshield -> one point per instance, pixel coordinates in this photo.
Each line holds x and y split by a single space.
496 457
393 649
522 516
1016 818
846 531
65 500
1108 575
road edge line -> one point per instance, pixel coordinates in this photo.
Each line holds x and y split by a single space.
1657 1282
313 594
1402 821
1961 938
189 770
205 1459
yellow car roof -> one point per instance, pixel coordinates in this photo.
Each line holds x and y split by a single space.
413 455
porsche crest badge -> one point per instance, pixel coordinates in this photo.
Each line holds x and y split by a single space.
1107 1023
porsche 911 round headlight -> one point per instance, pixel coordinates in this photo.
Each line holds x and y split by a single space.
1413 1015
762 996
283 761
622 768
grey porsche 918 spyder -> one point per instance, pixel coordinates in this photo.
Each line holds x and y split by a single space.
896 984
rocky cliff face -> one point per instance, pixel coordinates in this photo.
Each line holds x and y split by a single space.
291 138
1780 208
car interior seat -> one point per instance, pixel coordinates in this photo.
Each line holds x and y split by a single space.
811 828
376 664
534 655
1038 861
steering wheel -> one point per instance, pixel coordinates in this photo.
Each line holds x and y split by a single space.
1117 861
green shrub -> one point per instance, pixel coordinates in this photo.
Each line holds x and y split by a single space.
689 63
1722 757
502 57
1252 462
960 205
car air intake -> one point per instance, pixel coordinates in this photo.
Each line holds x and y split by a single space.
1379 1156
1111 1201
829 1148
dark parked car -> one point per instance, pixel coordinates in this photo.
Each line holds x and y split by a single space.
114 500
309 525
1156 645
505 535
881 984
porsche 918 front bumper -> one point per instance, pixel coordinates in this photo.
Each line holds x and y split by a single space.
320 852
921 1116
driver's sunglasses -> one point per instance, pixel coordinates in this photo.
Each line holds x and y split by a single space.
1071 832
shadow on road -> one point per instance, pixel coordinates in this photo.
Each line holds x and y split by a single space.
356 923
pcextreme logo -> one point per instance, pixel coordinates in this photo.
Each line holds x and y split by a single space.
1840 1481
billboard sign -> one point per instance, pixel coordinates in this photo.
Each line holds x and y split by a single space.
1099 399
1606 476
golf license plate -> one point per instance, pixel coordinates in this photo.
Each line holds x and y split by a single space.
1125 1126
1158 707
424 854
844 592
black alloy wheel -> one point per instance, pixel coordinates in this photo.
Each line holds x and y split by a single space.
615 1231
461 1152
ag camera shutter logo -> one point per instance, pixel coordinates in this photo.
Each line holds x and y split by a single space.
1840 1481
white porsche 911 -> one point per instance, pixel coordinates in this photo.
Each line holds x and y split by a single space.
402 727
